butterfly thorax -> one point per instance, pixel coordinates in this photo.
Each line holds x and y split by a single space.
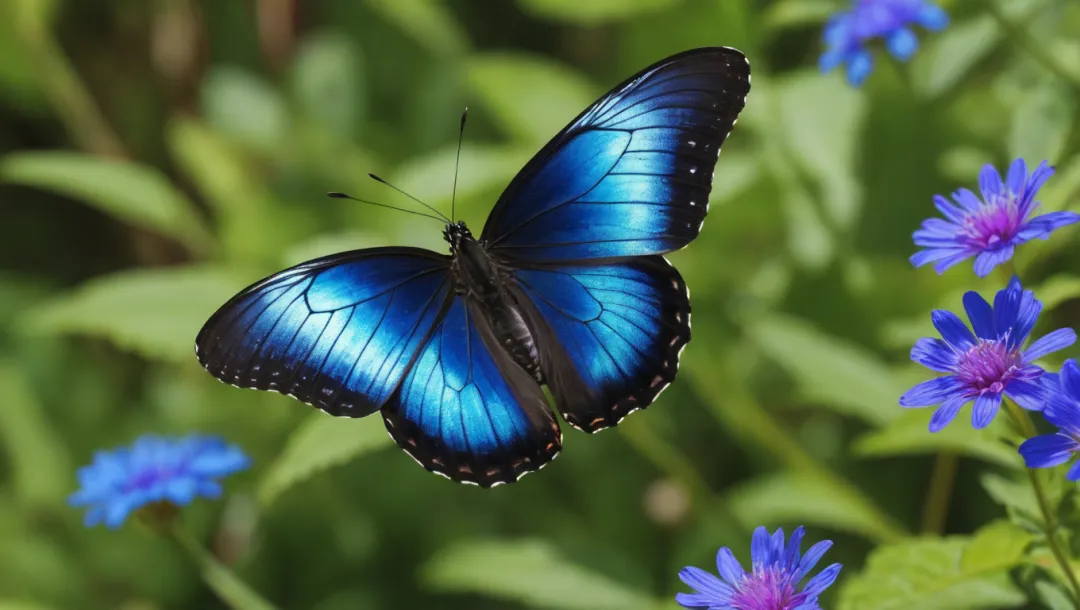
479 276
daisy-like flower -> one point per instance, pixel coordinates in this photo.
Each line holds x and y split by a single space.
987 365
773 583
989 228
847 34
1062 410
154 471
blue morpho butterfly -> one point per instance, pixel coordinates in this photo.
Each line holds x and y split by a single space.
567 286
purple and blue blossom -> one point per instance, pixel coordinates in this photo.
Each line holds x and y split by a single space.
990 228
848 33
988 365
1062 410
154 470
772 583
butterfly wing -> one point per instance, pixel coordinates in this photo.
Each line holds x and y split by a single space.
337 332
631 175
467 411
611 334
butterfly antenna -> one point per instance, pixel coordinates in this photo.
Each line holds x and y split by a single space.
457 160
336 195
381 181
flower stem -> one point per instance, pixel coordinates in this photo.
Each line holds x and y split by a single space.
1028 42
225 583
942 479
1050 525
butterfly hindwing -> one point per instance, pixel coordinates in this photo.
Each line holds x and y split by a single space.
466 410
610 334
337 332
631 175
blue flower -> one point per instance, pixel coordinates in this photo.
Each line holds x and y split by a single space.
1062 410
771 585
847 34
154 470
990 228
984 366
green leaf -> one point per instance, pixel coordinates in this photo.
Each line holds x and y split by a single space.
327 82
949 55
431 24
909 434
821 122
1058 289
509 571
809 240
40 467
131 192
245 108
532 97
221 580
11 604
952 573
484 169
1012 493
1053 596
768 499
841 375
320 443
154 312
736 173
797 13
594 12
1041 123
326 244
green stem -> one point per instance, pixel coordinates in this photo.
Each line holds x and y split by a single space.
1050 524
942 479
1025 40
225 583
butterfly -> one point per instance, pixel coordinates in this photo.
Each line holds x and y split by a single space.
566 286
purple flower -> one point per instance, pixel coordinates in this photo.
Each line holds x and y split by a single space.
773 583
984 366
154 470
846 34
1062 410
990 228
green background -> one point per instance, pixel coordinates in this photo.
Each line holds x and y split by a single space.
158 155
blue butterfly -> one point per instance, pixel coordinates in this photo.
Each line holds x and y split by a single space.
566 286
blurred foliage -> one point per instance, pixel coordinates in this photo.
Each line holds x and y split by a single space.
157 156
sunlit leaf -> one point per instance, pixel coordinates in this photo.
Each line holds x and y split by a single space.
154 312
244 107
431 23
326 244
1054 596
797 13
131 192
809 240
908 434
529 572
322 442
38 461
838 374
328 83
1058 289
594 12
531 97
1041 123
769 499
949 55
952 573
735 173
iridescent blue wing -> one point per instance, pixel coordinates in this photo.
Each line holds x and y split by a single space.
631 175
610 335
467 411
337 332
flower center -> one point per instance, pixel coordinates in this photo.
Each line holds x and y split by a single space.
767 588
989 365
994 223
151 476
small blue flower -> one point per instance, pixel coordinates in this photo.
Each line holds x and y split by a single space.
847 34
771 585
984 366
154 470
1062 410
990 228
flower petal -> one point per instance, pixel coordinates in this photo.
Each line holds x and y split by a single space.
823 580
986 407
1038 178
794 546
729 568
931 255
902 44
1074 473
859 65
1017 176
932 17
932 392
967 200
988 259
1027 313
1047 450
990 182
760 546
1030 395
952 329
981 315
1069 378
945 263
1049 343
948 210
705 583
934 354
810 559
1007 305
947 412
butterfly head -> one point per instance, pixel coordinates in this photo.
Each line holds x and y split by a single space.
455 233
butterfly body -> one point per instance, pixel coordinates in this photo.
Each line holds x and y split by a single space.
566 287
